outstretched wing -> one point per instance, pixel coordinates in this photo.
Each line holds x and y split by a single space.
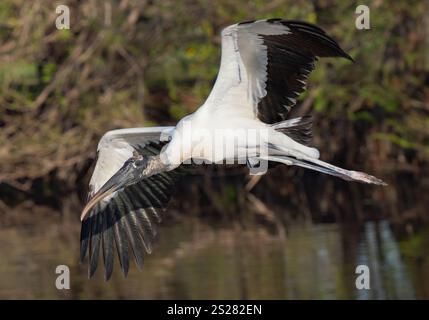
265 64
117 146
126 218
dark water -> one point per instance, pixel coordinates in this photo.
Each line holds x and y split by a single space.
193 261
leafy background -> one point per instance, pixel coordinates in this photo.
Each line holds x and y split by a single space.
141 63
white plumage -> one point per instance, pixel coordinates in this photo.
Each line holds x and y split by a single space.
264 66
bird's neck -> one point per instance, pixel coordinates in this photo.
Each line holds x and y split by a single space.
155 165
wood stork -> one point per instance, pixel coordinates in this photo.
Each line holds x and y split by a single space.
263 69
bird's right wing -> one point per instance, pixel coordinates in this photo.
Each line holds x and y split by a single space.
125 219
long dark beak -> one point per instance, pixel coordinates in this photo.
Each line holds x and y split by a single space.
112 185
94 200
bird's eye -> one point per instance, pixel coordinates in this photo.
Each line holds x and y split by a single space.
129 162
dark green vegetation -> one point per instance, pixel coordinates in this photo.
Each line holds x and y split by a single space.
131 63
140 63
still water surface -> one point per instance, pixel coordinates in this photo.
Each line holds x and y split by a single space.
193 261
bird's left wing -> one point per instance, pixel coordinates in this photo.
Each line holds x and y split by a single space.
264 66
125 219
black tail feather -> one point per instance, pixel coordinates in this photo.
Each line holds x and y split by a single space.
299 129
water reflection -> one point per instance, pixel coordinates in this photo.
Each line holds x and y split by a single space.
378 249
193 261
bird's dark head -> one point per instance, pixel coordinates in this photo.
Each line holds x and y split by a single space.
132 171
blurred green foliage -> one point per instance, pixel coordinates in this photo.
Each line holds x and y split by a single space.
136 63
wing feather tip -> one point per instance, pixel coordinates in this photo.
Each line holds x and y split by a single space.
107 275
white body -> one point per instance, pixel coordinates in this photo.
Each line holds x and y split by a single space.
263 70
231 108
218 138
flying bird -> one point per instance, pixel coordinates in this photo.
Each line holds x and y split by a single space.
264 67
